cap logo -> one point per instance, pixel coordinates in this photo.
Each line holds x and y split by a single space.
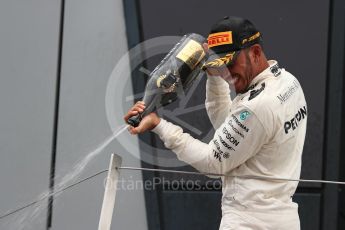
219 62
221 38
255 36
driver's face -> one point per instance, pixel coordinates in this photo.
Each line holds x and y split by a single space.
239 74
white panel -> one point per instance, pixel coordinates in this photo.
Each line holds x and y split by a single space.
94 41
28 69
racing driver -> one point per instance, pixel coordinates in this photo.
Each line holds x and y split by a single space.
258 134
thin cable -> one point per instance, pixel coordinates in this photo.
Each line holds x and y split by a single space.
52 194
169 171
239 176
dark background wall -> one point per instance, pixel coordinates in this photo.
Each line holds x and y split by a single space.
306 37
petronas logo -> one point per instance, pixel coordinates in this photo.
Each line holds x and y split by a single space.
244 115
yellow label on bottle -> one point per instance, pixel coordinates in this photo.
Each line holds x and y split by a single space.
191 54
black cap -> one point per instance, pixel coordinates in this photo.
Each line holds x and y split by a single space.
227 37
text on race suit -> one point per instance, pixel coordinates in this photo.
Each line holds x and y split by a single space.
293 123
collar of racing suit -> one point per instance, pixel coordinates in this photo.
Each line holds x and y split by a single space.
264 74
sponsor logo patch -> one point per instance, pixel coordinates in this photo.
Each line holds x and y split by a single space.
219 154
255 36
230 137
240 124
293 123
244 115
283 97
226 145
221 38
226 155
235 130
254 93
252 87
275 70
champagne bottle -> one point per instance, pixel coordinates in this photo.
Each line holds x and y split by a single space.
175 74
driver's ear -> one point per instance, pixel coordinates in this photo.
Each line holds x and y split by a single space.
256 52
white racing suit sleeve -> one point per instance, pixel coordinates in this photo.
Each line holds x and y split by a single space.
218 100
236 140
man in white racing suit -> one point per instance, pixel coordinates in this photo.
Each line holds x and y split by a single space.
259 134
